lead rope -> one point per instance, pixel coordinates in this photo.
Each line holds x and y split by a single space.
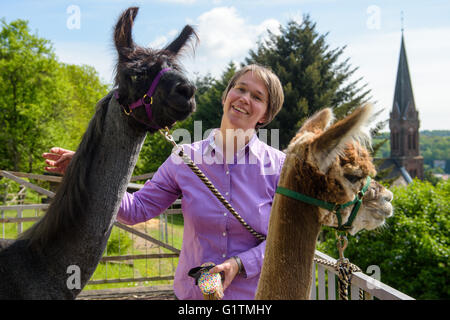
208 183
342 265
344 269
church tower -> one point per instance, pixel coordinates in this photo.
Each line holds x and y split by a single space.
404 121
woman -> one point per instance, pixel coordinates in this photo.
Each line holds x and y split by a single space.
244 169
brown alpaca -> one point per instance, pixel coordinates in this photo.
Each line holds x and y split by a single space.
330 164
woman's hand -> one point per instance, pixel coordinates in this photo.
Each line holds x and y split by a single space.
58 159
230 269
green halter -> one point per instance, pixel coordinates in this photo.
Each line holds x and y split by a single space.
333 207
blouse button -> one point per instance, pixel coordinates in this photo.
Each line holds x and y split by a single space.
224 234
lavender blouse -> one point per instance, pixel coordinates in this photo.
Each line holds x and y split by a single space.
211 233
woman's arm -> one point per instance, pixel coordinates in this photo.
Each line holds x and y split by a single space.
155 197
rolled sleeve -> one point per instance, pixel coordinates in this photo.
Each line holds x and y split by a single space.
155 197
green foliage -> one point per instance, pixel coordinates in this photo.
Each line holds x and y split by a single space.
209 99
434 145
42 102
27 70
311 75
412 251
118 243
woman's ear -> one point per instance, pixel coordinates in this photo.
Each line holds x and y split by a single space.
262 120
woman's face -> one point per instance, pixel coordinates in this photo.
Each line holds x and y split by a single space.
245 104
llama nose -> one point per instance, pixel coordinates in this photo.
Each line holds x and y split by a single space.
388 196
185 90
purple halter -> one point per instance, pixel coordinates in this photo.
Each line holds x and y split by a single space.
146 100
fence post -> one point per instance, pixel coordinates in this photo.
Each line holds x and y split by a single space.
20 224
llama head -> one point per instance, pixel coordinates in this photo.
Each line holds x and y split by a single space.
137 67
332 164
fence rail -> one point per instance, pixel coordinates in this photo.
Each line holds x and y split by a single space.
325 280
324 276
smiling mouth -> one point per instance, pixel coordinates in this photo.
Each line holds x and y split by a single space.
240 110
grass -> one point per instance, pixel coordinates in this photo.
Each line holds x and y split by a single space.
140 267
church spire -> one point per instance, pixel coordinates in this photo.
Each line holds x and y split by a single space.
403 96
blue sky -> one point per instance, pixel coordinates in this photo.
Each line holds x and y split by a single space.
81 33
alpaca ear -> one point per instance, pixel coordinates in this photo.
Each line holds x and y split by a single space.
185 36
319 121
122 33
331 143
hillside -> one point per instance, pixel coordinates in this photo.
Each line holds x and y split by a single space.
434 145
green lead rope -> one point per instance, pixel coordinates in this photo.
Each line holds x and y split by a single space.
333 207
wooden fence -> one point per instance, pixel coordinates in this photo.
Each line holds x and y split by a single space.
19 214
324 276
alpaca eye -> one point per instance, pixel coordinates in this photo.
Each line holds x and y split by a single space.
352 178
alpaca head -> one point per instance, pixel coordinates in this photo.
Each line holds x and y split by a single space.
137 67
332 164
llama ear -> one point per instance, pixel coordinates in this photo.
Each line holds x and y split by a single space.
185 36
122 33
319 121
331 143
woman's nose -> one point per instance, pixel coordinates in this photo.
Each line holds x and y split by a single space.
245 97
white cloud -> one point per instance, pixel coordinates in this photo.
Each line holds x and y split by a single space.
225 36
158 42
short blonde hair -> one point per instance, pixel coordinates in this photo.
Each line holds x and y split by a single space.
273 86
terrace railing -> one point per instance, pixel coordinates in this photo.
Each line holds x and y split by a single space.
162 241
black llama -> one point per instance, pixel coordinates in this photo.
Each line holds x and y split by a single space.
151 92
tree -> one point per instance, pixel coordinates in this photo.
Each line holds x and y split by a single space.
209 98
42 102
311 75
27 70
82 89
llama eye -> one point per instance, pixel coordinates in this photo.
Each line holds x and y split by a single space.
352 178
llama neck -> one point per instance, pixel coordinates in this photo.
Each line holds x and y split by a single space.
105 161
111 168
290 247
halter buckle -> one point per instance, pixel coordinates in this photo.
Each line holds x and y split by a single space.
341 244
146 97
127 110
